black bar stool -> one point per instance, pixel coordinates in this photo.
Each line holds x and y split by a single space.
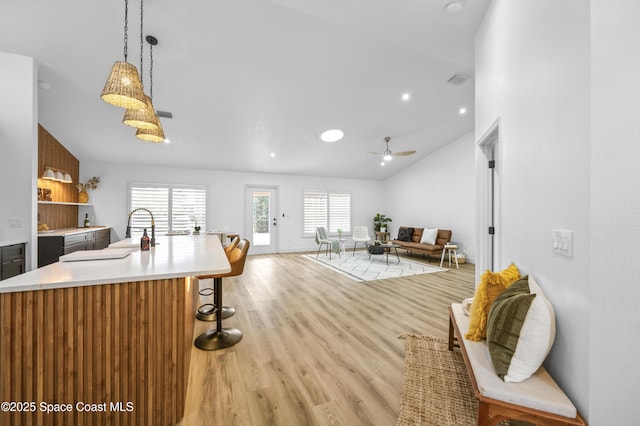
207 311
221 338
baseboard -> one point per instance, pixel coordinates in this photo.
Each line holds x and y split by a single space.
314 249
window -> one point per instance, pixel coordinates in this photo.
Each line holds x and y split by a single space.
331 210
174 207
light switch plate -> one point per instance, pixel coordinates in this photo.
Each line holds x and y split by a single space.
562 242
15 222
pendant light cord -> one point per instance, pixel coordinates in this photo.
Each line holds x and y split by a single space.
141 41
126 26
151 71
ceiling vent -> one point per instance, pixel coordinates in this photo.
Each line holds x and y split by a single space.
458 79
164 114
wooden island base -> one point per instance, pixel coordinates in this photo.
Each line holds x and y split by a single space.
123 348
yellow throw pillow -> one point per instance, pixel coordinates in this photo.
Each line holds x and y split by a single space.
491 285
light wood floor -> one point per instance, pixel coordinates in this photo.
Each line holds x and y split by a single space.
317 347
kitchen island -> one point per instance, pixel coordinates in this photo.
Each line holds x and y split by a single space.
104 341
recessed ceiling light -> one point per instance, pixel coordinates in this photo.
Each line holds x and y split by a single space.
332 135
272 155
462 111
382 163
406 96
454 6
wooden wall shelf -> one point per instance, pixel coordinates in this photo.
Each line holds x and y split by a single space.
64 203
62 213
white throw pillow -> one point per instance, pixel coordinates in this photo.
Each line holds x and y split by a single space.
429 236
525 340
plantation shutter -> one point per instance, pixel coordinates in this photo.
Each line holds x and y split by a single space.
188 204
156 200
340 213
331 210
173 207
315 211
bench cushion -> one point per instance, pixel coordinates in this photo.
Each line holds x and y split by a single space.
540 391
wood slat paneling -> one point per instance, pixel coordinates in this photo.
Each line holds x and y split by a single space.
53 153
98 344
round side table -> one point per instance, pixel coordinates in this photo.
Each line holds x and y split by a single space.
450 249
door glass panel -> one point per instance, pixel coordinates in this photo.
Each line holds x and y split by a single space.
261 214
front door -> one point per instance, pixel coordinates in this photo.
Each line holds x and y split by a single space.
261 219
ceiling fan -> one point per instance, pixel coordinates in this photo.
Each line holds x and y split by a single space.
387 155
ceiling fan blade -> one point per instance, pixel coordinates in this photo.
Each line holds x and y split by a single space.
403 153
375 153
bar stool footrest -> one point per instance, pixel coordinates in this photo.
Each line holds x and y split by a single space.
208 291
207 312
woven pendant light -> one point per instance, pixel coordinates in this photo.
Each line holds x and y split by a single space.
123 87
142 118
151 135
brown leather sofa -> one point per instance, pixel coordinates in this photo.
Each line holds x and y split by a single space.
415 246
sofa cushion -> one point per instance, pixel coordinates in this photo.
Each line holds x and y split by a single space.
429 236
417 235
418 246
405 233
444 236
491 285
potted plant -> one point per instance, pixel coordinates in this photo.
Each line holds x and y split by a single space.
380 222
196 228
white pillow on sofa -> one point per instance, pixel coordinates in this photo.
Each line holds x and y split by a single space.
429 236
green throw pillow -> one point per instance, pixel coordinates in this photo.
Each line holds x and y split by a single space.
520 331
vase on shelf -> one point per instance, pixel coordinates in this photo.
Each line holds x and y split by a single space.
83 196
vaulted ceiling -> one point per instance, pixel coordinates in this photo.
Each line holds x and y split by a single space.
245 79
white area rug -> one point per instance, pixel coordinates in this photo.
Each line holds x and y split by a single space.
360 267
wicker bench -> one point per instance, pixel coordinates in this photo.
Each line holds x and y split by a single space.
538 400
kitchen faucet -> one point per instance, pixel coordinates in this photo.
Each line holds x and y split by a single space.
153 225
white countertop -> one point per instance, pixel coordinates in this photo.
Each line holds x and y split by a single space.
171 258
4 243
69 231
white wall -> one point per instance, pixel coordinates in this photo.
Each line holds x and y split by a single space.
437 192
18 150
615 199
532 69
226 197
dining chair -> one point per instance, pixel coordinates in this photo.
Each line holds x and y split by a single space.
360 235
322 239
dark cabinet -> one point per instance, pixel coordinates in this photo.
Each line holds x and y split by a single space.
50 248
12 260
102 239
